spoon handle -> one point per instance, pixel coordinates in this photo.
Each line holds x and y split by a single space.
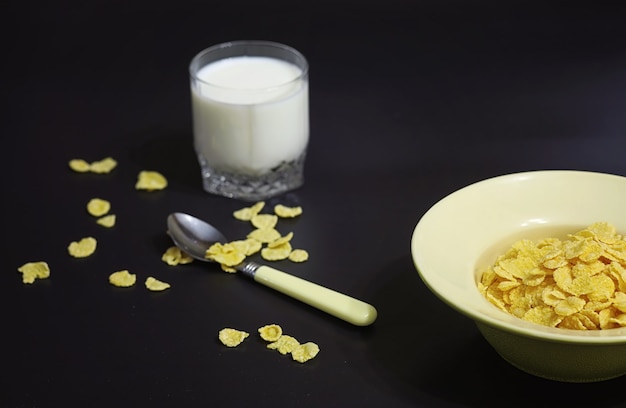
332 302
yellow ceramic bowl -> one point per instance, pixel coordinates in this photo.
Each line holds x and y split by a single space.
463 233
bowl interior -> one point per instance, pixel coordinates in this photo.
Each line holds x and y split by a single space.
461 235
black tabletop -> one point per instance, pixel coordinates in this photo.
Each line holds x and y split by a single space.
409 101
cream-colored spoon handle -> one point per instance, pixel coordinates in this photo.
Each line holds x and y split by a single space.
334 303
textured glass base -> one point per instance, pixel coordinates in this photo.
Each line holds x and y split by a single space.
286 177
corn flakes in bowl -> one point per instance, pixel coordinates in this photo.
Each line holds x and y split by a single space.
538 261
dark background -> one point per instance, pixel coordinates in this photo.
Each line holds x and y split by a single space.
410 100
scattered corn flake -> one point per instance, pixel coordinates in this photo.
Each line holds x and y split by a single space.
244 246
305 352
264 235
287 212
273 334
34 270
298 255
107 221
231 259
232 337
278 247
83 248
150 181
79 165
576 283
105 165
285 344
254 246
270 332
122 279
227 254
276 253
246 214
264 221
175 256
98 207
156 285
228 269
280 241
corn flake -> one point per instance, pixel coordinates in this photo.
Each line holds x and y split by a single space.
264 221
273 334
122 279
79 165
264 238
254 246
107 221
105 165
246 213
270 332
98 207
232 337
264 235
174 256
577 283
305 352
603 232
83 248
34 270
280 241
276 253
619 320
298 255
228 269
228 254
246 246
285 344
287 212
150 181
620 301
542 315
156 285
569 306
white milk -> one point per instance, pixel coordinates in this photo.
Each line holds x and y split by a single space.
250 114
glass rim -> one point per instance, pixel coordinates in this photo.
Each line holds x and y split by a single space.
194 65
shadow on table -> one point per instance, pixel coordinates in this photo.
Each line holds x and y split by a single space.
424 351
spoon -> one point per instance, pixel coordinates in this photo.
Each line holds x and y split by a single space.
195 236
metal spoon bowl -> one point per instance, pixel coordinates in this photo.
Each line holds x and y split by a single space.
194 236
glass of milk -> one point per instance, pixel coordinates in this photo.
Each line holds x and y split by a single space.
250 105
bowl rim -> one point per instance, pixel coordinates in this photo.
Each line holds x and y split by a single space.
505 321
